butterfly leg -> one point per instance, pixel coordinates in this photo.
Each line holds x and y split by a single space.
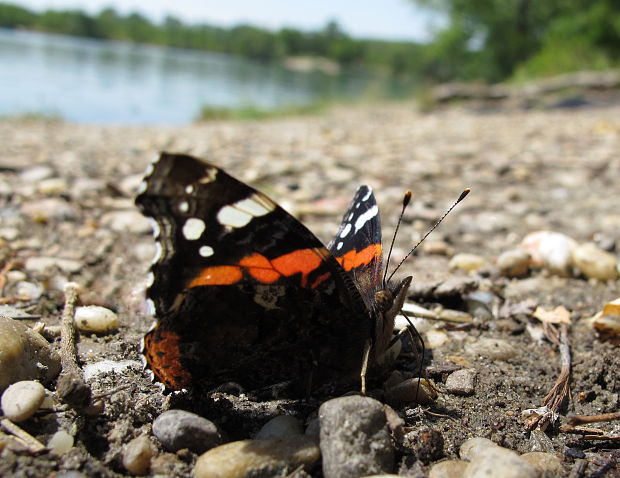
364 369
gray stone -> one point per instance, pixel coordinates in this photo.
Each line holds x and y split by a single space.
461 382
24 355
43 210
499 462
178 429
494 349
258 458
280 427
547 463
355 440
514 263
40 264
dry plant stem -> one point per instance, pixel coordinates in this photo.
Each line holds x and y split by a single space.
560 390
605 417
71 387
34 445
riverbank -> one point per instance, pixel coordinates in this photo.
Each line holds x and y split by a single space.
67 192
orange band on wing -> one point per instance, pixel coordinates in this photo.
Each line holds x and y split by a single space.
303 261
217 275
353 259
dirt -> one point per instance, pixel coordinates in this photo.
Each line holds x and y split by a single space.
533 170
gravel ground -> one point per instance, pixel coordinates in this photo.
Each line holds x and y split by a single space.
67 192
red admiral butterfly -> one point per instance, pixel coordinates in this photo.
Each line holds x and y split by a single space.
244 292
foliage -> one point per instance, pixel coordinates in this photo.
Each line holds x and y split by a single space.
253 112
499 39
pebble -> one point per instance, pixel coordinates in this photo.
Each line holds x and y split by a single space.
448 469
488 459
551 250
280 427
480 304
43 210
36 173
467 262
178 429
40 264
137 455
24 355
52 186
60 442
258 458
595 263
126 221
494 349
405 393
355 440
435 338
22 399
499 462
547 463
91 370
514 263
93 318
70 474
28 290
9 233
461 382
440 248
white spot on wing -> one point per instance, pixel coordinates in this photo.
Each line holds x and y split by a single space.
241 213
367 216
149 169
367 196
150 279
193 228
184 206
206 251
189 189
346 230
209 176
142 187
339 245
231 217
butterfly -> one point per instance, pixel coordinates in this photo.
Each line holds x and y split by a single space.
243 292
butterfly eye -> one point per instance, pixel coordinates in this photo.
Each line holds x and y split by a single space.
384 299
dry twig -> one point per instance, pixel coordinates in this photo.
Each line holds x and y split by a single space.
605 417
33 445
71 386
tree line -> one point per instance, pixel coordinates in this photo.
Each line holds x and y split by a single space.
245 40
488 40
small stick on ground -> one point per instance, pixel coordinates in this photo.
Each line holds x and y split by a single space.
605 417
579 469
560 390
71 387
33 445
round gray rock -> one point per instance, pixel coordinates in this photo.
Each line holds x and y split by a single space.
22 399
355 440
178 429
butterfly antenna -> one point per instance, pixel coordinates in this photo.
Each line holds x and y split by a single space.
461 197
406 201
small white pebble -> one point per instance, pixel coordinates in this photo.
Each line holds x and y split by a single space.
137 455
60 442
93 318
22 399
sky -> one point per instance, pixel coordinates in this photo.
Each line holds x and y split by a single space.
389 19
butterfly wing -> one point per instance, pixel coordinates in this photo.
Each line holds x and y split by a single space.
357 245
242 291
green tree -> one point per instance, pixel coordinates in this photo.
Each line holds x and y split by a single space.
12 16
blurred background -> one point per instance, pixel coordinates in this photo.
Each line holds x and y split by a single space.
164 62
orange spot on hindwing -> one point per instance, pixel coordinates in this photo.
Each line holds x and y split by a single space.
354 259
163 355
217 275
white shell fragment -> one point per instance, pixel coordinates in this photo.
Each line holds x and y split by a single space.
93 318
22 399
